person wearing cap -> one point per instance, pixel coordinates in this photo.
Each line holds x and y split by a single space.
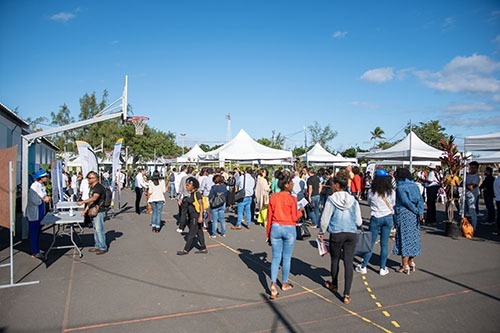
194 207
35 211
381 198
433 184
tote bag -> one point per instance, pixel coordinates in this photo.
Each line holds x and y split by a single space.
363 243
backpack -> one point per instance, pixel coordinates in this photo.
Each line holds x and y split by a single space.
108 199
172 177
217 200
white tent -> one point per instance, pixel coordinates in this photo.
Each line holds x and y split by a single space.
411 148
491 158
487 142
191 155
319 155
243 148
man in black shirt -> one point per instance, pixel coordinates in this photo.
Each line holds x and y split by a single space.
313 190
97 197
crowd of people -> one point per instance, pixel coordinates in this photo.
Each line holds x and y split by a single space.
396 200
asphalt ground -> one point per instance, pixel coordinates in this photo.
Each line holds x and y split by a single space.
141 285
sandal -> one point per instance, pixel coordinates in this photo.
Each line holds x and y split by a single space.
347 299
286 286
404 269
274 292
329 285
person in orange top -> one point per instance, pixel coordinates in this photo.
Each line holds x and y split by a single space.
356 183
282 216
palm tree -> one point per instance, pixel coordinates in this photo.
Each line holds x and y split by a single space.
377 133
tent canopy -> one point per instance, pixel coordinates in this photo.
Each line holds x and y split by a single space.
191 155
491 158
401 151
320 154
487 142
243 148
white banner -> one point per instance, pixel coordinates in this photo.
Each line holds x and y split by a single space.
116 167
87 157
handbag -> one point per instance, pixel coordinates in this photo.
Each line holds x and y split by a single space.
467 228
363 243
217 200
322 248
302 230
262 217
240 195
93 211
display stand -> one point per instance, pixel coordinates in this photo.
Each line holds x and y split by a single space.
11 233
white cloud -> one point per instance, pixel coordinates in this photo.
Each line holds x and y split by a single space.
378 75
448 23
468 108
472 74
62 17
492 121
364 105
339 34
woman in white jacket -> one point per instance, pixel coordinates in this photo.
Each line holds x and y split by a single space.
156 189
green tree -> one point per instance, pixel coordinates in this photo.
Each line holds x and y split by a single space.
276 141
377 134
322 135
430 132
64 140
33 123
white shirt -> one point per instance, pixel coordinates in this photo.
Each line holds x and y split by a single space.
36 194
85 189
496 189
139 181
378 207
249 182
434 178
156 191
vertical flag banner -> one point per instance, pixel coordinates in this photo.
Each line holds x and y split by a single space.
56 180
87 157
6 192
116 167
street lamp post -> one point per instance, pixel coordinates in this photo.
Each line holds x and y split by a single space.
182 141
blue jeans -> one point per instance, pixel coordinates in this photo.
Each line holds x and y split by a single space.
244 206
156 216
282 242
315 200
34 235
99 234
172 190
470 206
383 225
218 215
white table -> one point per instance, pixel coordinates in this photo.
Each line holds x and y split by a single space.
63 205
59 224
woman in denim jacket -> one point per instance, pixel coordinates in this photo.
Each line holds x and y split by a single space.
341 217
409 212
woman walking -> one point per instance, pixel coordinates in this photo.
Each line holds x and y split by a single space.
409 210
381 198
282 216
341 217
156 190
195 207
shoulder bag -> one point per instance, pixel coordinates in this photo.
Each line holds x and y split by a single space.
240 195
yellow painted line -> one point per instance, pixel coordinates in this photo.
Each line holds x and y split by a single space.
363 277
229 248
395 323
369 290
378 304
373 296
386 313
366 283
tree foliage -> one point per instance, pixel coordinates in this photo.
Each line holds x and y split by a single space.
322 135
377 134
430 132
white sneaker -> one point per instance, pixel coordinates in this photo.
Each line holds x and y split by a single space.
361 269
179 230
384 271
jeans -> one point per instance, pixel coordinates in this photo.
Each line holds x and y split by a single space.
99 234
244 206
315 200
34 235
282 242
383 225
470 206
172 190
218 215
156 216
342 242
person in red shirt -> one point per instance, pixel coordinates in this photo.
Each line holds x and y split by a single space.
356 183
282 216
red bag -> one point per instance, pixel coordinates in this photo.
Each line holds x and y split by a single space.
467 228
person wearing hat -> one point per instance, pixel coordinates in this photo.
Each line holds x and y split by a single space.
433 183
35 211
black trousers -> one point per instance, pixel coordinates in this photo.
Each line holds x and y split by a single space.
342 242
488 201
183 212
195 230
498 215
138 195
432 192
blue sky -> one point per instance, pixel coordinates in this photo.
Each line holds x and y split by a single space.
273 65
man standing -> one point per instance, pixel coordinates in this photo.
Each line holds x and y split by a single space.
246 182
496 190
35 211
433 183
97 197
472 192
313 191
183 195
488 194
140 185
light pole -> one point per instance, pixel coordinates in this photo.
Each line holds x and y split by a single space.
182 141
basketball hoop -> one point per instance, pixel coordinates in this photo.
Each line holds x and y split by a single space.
139 123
